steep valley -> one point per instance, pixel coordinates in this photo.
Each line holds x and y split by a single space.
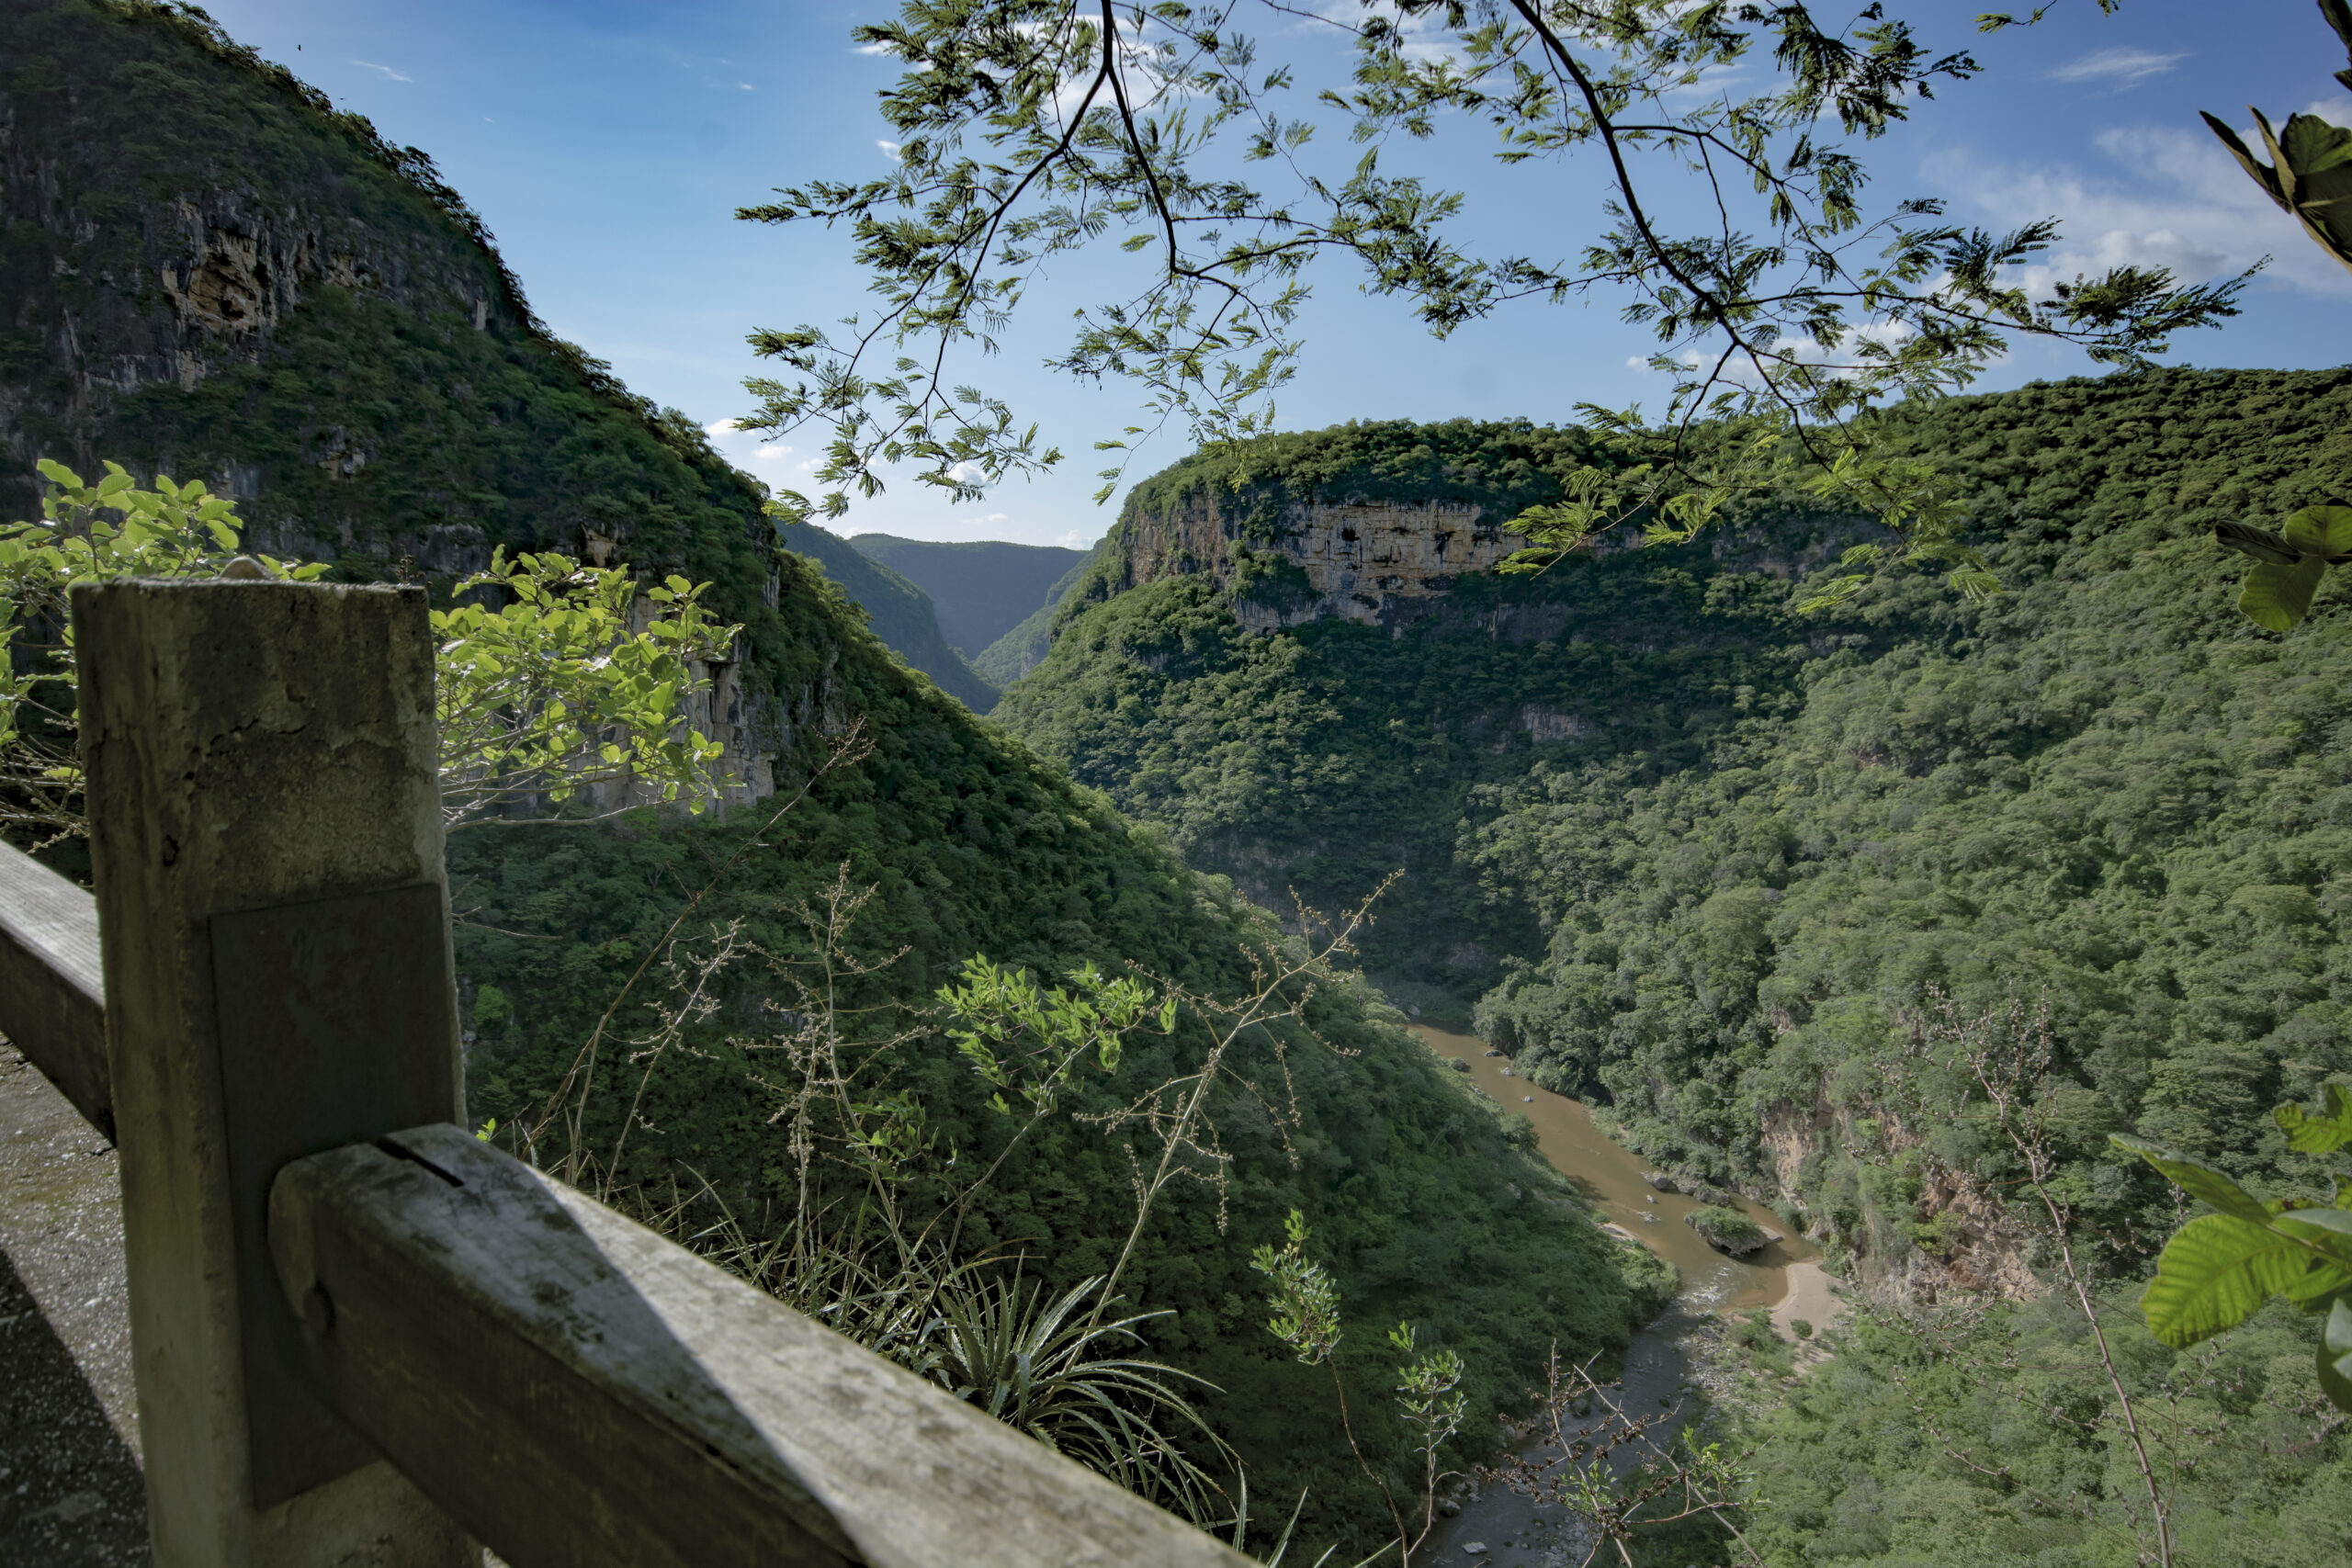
1795 903
1701 903
210 272
1701 859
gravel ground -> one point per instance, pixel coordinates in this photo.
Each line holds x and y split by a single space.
71 1492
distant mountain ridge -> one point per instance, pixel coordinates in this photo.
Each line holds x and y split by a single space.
982 588
901 612
1022 648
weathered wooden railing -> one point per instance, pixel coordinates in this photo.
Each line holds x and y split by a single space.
361 1336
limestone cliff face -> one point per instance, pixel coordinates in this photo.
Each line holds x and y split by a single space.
206 272
110 292
1379 564
1978 1245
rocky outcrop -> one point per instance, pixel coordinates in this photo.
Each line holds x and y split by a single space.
1930 1228
175 288
1728 1230
1380 564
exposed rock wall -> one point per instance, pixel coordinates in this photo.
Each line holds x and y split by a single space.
1380 564
170 289
1978 1246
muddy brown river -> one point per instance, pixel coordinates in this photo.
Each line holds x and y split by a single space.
1497 1528
1611 1176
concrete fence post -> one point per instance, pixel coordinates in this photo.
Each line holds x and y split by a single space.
266 837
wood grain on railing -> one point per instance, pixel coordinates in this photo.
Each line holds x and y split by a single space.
572 1387
52 994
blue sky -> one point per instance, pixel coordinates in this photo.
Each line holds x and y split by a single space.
607 145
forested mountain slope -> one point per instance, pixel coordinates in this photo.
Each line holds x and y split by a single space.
209 271
1020 650
1719 848
901 612
1325 757
983 587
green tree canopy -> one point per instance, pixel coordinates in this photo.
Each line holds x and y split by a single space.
1790 293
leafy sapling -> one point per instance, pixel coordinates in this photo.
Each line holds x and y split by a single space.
1428 1390
1304 1303
547 685
87 532
1304 1300
1026 1040
546 688
2220 1269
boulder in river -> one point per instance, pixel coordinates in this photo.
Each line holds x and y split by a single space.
1727 1230
1660 1181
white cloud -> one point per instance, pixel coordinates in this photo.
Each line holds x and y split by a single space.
890 147
984 521
745 448
2116 68
2174 199
874 49
745 85
390 74
1077 539
1739 370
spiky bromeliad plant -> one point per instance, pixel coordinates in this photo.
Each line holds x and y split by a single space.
1054 1370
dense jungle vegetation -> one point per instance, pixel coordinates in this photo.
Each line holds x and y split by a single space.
379 398
1748 837
1755 846
1328 756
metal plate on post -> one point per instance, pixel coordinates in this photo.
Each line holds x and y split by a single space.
338 1024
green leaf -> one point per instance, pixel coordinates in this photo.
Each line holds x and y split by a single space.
2208 1186
2336 1357
2324 1134
2320 530
2330 1230
2278 597
2216 1272
2259 543
2319 1287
